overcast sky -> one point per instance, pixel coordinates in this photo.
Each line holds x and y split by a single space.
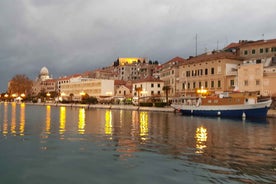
72 36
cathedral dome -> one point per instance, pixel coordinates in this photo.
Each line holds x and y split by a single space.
44 71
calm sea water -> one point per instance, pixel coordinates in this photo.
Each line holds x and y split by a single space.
48 144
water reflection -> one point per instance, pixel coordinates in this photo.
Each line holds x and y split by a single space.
62 120
5 122
201 139
13 118
144 125
48 120
108 122
244 147
22 119
81 123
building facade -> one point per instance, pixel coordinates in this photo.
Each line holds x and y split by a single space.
147 88
169 73
44 83
77 87
214 71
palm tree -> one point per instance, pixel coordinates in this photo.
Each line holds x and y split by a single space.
71 96
166 89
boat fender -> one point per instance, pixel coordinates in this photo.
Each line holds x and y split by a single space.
243 115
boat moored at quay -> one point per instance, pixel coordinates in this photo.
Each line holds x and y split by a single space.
226 104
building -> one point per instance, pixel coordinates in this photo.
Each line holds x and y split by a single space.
135 71
216 71
147 88
250 77
77 87
257 72
44 83
169 73
269 80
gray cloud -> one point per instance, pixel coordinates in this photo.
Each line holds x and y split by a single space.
71 36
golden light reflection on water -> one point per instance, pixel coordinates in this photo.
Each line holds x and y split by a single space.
13 119
108 122
62 120
144 124
81 123
48 120
201 138
22 119
5 123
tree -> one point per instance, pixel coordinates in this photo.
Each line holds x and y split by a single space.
20 84
138 90
166 89
71 96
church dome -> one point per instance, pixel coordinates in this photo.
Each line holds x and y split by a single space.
44 71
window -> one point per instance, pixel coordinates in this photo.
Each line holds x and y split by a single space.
266 50
261 50
152 92
257 82
152 85
245 52
188 85
219 84
253 51
158 92
212 71
194 85
158 85
232 82
212 84
246 82
206 71
183 85
199 84
206 84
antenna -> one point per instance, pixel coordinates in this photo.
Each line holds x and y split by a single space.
196 45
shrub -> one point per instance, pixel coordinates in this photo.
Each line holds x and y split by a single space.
160 104
146 104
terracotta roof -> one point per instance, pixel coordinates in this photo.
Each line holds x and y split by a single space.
119 82
259 42
176 59
148 79
245 43
212 56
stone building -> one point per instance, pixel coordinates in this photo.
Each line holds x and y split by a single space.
169 73
44 83
215 71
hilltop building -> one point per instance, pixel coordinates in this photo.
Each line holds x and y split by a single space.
44 83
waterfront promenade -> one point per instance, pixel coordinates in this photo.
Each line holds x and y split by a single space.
271 113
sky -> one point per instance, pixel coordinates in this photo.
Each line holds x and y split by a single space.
74 36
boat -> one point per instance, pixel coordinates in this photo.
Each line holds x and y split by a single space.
226 104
